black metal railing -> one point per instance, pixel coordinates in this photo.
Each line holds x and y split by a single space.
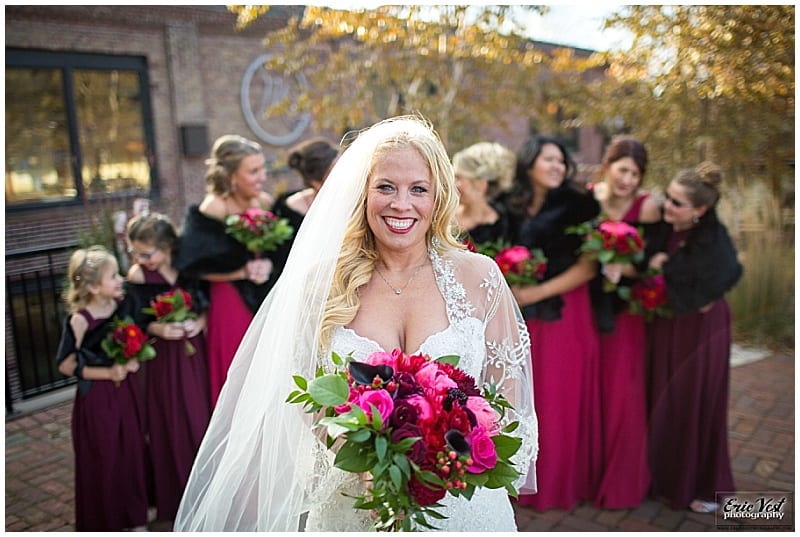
35 309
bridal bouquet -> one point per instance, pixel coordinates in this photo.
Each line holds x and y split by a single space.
126 341
173 306
610 242
420 428
259 230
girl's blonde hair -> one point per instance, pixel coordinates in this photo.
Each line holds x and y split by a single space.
86 267
358 253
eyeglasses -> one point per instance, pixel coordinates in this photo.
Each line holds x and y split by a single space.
677 204
143 257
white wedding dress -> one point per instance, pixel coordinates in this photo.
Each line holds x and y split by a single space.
472 323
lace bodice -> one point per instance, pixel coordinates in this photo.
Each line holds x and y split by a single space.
488 354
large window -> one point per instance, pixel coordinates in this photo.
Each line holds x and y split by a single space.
76 125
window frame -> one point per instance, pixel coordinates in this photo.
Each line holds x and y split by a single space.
67 62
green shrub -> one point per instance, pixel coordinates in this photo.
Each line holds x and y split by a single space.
763 300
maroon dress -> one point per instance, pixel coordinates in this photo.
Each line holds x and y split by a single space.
110 451
688 384
178 408
626 477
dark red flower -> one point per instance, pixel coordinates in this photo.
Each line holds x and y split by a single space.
422 494
418 450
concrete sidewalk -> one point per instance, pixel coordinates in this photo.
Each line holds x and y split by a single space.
39 464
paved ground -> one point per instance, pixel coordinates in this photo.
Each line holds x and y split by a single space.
39 464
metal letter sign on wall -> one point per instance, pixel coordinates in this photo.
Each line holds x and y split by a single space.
261 88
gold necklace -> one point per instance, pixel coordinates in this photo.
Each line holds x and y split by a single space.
399 291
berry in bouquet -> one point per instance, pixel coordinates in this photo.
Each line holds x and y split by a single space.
174 306
418 428
258 230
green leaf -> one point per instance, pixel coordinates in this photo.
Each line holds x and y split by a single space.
301 382
329 390
381 446
451 359
501 475
505 445
354 458
396 476
362 435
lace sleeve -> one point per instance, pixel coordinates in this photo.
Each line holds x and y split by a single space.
508 366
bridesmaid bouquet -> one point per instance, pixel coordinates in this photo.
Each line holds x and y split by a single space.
610 242
173 306
648 296
259 230
420 429
519 265
126 341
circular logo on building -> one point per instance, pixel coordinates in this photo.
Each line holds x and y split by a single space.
261 89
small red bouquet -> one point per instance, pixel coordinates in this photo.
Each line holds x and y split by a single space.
519 265
610 242
259 230
126 341
174 306
648 296
420 428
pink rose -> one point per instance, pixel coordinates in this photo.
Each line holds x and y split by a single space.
433 380
486 416
385 358
484 456
424 409
381 400
617 229
513 259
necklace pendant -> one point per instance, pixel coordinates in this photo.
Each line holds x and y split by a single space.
398 291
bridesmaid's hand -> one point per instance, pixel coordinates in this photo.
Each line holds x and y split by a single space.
132 366
171 331
612 272
658 260
192 327
258 270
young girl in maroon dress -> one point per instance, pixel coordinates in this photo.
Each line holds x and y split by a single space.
625 476
689 353
107 421
177 397
564 341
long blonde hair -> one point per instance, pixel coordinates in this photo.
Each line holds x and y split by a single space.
358 253
86 267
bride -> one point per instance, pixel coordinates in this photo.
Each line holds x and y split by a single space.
375 266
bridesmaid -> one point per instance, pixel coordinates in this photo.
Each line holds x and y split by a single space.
625 475
690 352
177 399
312 159
564 341
483 171
238 282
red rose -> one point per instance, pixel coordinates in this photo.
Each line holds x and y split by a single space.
162 308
